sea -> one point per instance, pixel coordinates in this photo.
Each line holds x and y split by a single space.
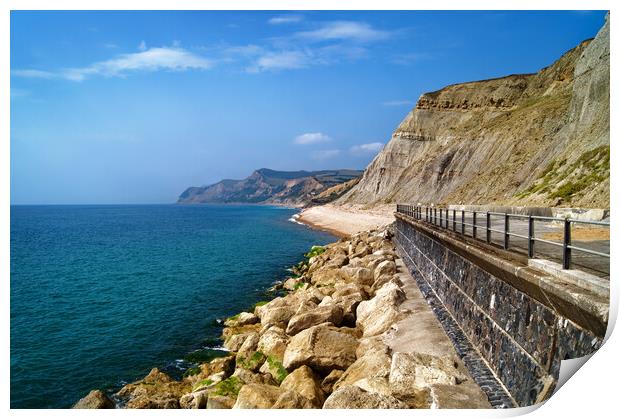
100 294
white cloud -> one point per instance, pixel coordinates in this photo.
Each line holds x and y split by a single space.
362 149
282 60
284 19
312 138
325 154
142 46
344 31
397 103
153 59
35 74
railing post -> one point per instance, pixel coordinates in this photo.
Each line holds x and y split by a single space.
530 237
488 228
454 219
506 231
566 254
435 216
426 211
463 222
440 217
475 227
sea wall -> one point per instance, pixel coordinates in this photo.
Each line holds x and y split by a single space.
515 329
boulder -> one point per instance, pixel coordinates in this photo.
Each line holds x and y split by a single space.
446 396
223 364
257 396
230 331
417 370
278 316
250 377
329 313
337 261
377 315
353 397
155 391
248 347
241 319
369 366
361 250
305 382
292 400
387 267
96 399
220 402
273 368
234 342
322 347
328 276
349 304
360 275
194 400
372 345
328 382
273 342
347 289
384 279
290 284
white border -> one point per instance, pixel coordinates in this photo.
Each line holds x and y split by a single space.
592 392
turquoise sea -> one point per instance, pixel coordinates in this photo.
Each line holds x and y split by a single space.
101 294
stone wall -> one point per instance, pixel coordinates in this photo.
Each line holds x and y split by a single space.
520 339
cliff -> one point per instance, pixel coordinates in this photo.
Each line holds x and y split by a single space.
268 186
533 139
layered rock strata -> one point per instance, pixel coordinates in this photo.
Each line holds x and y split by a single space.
528 140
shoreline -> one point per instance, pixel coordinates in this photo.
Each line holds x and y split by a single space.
330 336
345 221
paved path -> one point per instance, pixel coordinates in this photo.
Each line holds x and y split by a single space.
421 332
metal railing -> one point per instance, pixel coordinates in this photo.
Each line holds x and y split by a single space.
447 218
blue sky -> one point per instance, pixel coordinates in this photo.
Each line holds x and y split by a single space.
133 107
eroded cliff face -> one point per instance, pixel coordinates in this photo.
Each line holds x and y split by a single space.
537 139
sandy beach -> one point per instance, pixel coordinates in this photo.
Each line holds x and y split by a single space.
347 220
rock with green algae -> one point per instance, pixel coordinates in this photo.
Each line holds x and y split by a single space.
96 399
155 391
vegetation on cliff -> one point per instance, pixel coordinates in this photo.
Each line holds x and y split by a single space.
534 140
266 186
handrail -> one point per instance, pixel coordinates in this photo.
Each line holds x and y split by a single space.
435 215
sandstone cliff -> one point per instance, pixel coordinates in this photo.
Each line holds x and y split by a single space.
534 139
268 186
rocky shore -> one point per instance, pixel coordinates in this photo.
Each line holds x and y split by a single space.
321 345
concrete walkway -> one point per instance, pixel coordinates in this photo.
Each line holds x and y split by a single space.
421 332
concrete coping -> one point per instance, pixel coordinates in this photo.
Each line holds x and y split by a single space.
585 304
581 214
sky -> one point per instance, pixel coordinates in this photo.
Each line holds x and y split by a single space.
134 107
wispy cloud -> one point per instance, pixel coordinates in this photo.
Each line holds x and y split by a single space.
149 60
285 19
325 154
142 46
281 60
365 149
397 103
34 74
312 138
343 31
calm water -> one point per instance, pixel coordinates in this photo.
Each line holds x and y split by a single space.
101 294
